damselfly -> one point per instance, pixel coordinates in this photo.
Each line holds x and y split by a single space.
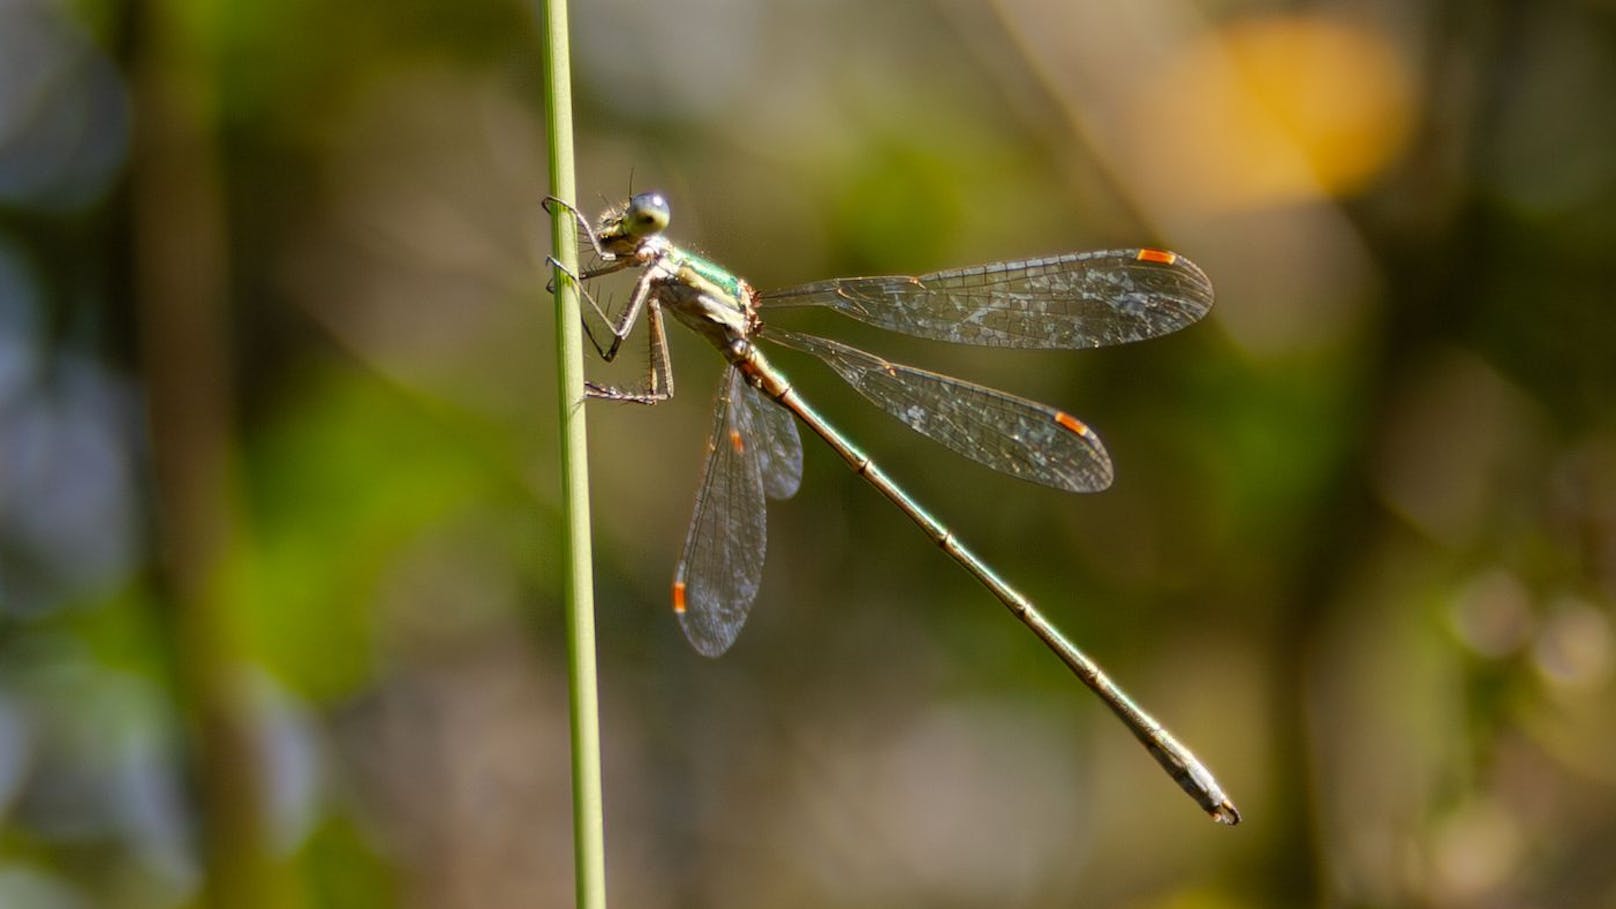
1077 300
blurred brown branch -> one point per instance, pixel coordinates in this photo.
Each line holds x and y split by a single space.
181 279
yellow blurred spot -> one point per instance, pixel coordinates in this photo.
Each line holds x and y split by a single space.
1274 111
1575 648
1474 852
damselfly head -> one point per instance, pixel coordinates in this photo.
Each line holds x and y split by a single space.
644 215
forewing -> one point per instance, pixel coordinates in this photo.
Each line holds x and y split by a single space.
722 564
1077 300
1014 435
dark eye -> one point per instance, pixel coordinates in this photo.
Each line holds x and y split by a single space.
646 214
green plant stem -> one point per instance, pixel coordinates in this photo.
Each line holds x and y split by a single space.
589 844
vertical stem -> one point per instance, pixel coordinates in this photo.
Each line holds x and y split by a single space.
588 826
181 288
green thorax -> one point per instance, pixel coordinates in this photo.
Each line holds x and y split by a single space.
708 271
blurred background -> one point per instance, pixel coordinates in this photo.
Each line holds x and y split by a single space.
279 592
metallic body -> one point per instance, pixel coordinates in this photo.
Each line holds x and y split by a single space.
1072 301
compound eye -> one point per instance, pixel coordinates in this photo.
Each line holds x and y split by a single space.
647 214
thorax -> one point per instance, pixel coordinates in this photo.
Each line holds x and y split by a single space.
712 301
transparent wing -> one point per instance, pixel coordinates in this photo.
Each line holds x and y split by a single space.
778 446
1077 300
1014 435
722 563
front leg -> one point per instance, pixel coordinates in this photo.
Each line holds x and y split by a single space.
610 261
584 227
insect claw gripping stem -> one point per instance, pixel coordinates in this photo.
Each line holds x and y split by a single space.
585 230
607 352
557 268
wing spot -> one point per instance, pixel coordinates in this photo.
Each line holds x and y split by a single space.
736 442
1157 255
679 597
1071 423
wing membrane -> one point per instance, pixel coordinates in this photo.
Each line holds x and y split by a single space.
1077 300
722 564
779 446
1014 435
